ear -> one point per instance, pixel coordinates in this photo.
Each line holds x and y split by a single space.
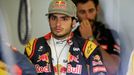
98 9
74 23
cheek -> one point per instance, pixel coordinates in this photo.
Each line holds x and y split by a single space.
51 24
71 26
68 26
82 16
52 27
94 14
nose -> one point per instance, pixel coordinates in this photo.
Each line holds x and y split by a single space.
87 15
58 22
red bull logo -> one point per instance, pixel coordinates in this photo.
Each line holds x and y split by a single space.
60 2
73 58
75 70
59 5
43 57
41 69
62 69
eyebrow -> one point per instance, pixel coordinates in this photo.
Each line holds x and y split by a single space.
64 16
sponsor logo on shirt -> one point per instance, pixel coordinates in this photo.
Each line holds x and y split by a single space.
43 57
41 69
90 47
40 49
76 49
62 69
99 69
97 58
72 58
97 63
74 70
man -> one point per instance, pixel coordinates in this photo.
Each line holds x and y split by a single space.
91 29
59 52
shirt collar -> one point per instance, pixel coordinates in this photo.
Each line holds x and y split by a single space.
69 39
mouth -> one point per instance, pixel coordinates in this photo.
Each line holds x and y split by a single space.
58 30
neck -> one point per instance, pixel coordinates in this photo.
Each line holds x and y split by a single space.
61 37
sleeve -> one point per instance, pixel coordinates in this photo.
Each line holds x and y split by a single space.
94 58
116 44
29 48
22 63
109 40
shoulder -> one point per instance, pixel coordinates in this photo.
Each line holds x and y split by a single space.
104 30
76 31
29 47
99 24
79 39
33 44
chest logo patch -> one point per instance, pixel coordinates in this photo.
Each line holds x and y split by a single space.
90 47
43 57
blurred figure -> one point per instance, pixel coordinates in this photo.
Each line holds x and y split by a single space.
131 64
12 62
91 29
20 66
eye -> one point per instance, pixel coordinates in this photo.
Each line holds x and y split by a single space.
91 10
82 12
53 18
65 18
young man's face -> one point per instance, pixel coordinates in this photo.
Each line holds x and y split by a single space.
60 25
86 11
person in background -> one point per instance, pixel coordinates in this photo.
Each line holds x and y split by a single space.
90 28
60 52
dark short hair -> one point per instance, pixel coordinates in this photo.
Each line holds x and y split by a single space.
96 2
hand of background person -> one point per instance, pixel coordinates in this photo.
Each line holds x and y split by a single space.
86 29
